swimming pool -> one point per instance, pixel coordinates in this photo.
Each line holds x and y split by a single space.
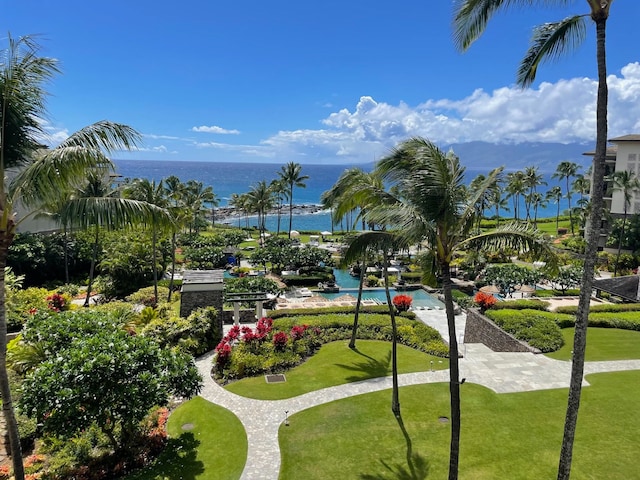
420 297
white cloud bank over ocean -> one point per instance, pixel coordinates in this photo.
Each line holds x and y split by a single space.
561 112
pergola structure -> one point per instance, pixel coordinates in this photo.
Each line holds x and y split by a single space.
238 298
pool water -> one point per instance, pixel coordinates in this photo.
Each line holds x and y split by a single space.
344 279
420 297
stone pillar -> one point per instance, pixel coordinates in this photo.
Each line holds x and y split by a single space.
259 313
236 313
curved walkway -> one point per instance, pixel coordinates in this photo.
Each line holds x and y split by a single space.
501 372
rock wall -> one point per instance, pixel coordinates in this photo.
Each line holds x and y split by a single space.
479 329
190 301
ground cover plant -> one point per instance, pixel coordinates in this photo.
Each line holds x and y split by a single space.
364 440
336 364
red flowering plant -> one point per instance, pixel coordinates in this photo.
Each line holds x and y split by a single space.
297 331
56 302
280 340
484 301
402 302
223 353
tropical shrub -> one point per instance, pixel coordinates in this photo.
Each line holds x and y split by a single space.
145 296
402 302
296 312
522 304
484 301
539 329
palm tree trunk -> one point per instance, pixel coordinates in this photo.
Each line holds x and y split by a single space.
290 208
66 254
354 330
595 217
395 395
173 264
94 258
5 391
155 263
454 374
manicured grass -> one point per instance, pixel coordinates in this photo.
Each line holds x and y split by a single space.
514 436
336 364
213 446
602 344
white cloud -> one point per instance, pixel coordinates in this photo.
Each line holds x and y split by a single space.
561 112
215 129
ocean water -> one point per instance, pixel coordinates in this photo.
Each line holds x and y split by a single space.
228 178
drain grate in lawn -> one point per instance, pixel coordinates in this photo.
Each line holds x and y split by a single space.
278 378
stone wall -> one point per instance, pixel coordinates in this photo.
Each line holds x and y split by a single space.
190 301
479 329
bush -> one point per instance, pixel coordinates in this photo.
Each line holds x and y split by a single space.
145 296
291 312
607 307
556 293
524 304
539 329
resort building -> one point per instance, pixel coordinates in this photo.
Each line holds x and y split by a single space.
623 154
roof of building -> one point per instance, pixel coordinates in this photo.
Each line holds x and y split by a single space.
612 151
625 286
202 276
634 137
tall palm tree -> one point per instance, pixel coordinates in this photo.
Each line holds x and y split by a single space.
516 188
260 200
550 41
434 208
355 190
498 201
174 191
626 182
581 185
145 190
555 194
291 175
196 197
279 190
532 180
567 170
41 174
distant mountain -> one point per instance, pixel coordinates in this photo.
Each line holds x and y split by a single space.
546 156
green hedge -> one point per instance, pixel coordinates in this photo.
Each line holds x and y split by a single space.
524 304
557 293
306 280
336 326
539 329
415 277
296 312
622 320
605 307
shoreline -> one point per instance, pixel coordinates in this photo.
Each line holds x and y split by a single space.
232 213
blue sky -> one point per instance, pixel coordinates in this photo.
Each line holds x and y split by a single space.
338 81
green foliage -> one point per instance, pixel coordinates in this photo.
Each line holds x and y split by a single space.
145 296
509 275
556 293
40 257
568 277
291 312
575 243
371 281
281 253
522 304
21 302
196 334
604 307
205 257
98 373
631 239
539 329
127 262
625 320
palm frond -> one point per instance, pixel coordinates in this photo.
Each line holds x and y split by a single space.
104 136
471 18
366 241
549 42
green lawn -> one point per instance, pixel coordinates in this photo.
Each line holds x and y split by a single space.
504 436
602 344
336 364
206 442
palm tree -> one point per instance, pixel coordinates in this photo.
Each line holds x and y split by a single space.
260 200
516 188
41 174
355 190
581 185
145 190
497 201
550 41
291 176
174 194
626 182
434 207
555 194
532 180
567 170
196 197
279 190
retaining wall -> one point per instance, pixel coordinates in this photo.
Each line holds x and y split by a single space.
479 329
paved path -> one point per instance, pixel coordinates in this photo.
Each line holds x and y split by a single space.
501 372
